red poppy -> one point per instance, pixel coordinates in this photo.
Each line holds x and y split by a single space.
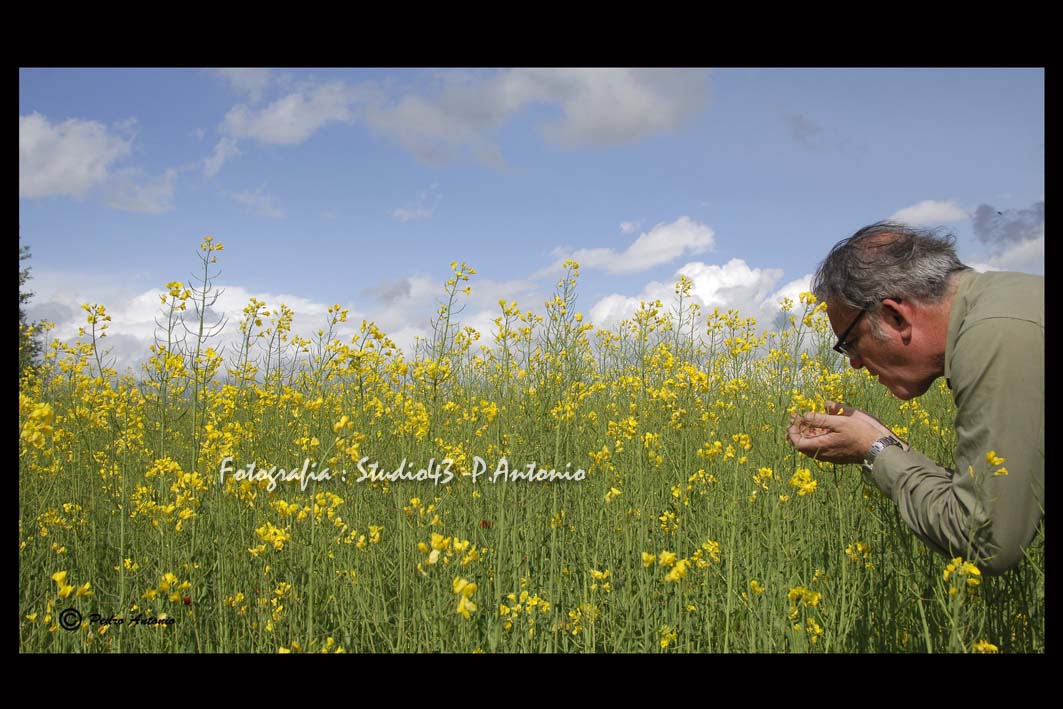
485 524
188 600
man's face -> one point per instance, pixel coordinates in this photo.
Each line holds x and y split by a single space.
899 359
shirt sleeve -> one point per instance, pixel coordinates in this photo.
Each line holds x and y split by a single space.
978 510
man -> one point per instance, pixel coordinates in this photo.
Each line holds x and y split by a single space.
905 308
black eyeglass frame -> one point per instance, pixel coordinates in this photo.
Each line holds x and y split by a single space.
841 347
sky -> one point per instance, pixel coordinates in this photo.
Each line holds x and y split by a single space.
360 186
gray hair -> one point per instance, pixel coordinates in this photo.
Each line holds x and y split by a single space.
888 260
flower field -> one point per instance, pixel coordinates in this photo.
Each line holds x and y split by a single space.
546 487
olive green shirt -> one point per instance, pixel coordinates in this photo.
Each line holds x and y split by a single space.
995 366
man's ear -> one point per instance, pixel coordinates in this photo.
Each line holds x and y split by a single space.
897 315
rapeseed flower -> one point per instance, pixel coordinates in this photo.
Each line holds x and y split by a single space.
464 589
802 480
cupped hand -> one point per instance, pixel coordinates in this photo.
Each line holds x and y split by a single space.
843 435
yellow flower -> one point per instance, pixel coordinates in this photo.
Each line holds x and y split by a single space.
64 589
464 590
1002 471
803 481
666 558
993 459
678 571
755 586
168 580
374 534
648 559
984 646
463 587
807 597
668 636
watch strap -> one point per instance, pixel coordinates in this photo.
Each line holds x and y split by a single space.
879 446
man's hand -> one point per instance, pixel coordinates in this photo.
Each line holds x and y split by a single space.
840 436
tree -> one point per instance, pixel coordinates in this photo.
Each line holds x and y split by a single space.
29 343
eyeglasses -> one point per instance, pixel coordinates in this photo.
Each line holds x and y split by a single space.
842 347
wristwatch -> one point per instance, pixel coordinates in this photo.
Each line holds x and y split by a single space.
879 446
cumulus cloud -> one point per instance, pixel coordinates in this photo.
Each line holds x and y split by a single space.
225 149
1010 226
294 118
406 305
1014 238
612 106
249 82
816 137
770 308
732 285
258 203
1025 256
68 158
661 244
423 207
629 227
435 133
930 212
132 329
599 107
390 291
132 190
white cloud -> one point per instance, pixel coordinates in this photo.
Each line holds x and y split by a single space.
791 290
663 243
434 133
225 149
930 212
67 158
1025 256
132 190
405 338
404 307
423 207
612 106
132 328
294 118
251 83
629 227
600 106
733 285
258 203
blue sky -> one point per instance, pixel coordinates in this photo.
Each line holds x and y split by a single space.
360 186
